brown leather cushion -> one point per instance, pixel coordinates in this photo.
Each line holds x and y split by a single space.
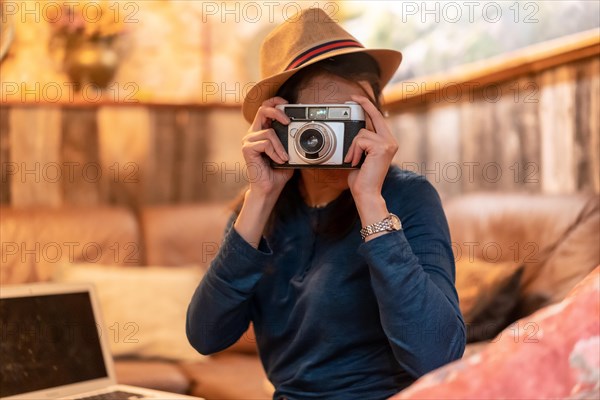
36 240
188 234
529 229
574 257
229 376
183 234
159 375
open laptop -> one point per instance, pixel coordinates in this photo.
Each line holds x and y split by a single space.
52 346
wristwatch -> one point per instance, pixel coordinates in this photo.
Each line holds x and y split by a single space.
390 223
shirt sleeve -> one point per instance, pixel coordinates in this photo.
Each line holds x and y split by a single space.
412 274
219 311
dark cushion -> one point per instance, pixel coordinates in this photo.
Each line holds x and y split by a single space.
555 237
575 256
488 294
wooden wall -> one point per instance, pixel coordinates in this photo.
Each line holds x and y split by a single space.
537 133
128 155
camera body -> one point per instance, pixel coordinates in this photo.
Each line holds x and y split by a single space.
319 135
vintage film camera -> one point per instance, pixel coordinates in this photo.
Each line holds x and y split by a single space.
319 135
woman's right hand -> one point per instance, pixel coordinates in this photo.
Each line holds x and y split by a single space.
261 140
266 183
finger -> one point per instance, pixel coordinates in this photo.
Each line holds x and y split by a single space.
265 114
271 104
276 142
369 142
268 134
260 120
348 156
266 147
358 151
376 116
363 144
360 148
360 133
274 101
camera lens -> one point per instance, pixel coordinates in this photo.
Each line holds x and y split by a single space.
314 143
311 141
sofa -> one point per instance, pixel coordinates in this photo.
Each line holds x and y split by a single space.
559 359
37 241
553 238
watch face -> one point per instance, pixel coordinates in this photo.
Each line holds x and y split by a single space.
396 222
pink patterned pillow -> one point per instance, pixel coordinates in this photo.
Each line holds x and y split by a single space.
553 353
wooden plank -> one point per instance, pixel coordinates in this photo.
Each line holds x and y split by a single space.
479 165
410 133
566 81
162 158
194 154
528 172
505 101
226 128
443 168
593 70
489 167
5 164
179 144
125 141
35 138
80 160
547 145
557 123
582 126
470 128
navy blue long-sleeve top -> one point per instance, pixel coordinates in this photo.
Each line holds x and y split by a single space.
339 320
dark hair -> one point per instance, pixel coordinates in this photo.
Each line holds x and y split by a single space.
353 68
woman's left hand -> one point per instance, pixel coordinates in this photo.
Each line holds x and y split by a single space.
380 147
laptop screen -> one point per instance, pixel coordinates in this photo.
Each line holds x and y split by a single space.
48 341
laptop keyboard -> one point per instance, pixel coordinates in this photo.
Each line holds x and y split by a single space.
116 395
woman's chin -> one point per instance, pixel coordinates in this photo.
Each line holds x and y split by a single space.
335 178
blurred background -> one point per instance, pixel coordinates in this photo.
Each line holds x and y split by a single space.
120 134
138 102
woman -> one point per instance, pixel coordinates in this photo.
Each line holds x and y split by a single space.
335 317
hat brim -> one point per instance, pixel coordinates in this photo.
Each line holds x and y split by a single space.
388 61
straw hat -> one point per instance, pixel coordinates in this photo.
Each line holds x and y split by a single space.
306 38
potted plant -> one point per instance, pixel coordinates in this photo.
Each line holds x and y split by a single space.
86 41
